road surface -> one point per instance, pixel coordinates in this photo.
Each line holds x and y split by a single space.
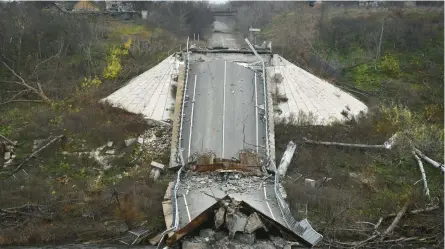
222 35
223 110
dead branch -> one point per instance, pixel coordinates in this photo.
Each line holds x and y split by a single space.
15 212
422 171
35 153
378 223
22 100
368 146
22 81
412 212
15 96
396 220
7 140
429 160
48 59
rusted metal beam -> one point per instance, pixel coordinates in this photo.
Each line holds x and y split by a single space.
226 166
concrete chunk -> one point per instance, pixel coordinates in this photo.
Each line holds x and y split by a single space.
253 223
110 144
207 234
194 245
235 222
219 217
245 238
155 173
7 155
157 165
130 141
110 152
168 192
309 183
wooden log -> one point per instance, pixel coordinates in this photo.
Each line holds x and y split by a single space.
422 171
429 160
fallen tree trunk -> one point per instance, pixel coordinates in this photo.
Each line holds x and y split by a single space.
387 145
416 211
15 212
422 171
429 160
396 220
34 153
7 140
368 146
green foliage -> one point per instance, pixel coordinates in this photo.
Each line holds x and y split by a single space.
114 67
389 65
89 83
6 130
130 29
366 77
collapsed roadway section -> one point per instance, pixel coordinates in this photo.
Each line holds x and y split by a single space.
223 146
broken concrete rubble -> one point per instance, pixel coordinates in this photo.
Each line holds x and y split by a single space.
235 222
7 155
129 141
253 223
245 238
309 183
208 234
156 170
110 152
219 217
194 245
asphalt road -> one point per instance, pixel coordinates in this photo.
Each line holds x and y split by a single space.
223 40
222 37
223 118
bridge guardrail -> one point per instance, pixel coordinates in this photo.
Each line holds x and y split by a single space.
302 228
175 211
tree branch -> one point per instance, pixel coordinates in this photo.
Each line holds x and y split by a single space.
429 160
33 154
396 220
416 211
422 171
7 139
368 146
15 212
48 59
23 82
22 100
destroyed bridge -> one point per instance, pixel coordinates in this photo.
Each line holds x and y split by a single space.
225 153
223 144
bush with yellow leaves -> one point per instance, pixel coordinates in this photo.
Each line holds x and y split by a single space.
114 66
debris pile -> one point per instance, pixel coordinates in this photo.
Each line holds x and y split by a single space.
236 226
226 181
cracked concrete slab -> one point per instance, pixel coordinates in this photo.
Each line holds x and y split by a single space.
309 94
149 94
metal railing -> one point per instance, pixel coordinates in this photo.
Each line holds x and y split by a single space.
175 212
266 109
302 228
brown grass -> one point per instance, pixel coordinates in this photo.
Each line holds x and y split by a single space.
383 182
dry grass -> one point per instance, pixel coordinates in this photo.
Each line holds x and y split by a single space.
80 213
365 184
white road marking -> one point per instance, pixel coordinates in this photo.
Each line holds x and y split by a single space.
187 208
224 108
267 203
191 119
256 114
